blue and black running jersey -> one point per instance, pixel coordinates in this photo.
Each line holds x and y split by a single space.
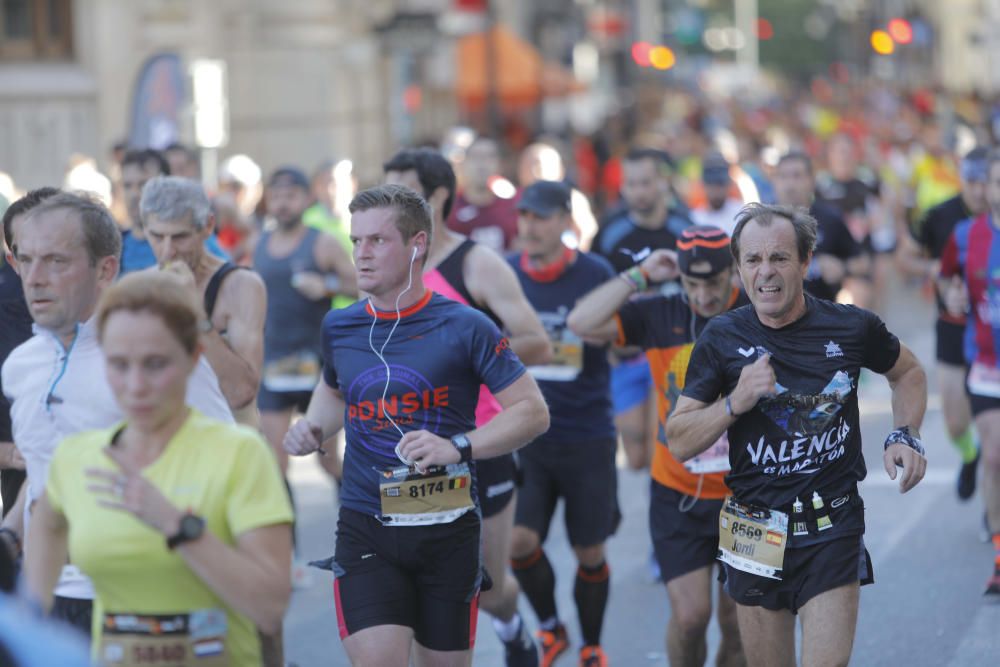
576 384
438 357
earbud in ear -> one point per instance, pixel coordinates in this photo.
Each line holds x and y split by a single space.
414 253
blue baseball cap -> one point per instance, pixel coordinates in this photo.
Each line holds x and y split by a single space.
974 167
289 177
544 198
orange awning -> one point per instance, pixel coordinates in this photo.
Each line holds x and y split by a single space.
523 77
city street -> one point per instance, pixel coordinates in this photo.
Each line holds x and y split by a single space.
930 566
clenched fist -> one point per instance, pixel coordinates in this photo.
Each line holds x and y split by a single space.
756 381
661 266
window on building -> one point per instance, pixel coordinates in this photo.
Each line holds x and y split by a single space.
36 29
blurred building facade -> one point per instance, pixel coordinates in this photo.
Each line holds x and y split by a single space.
306 80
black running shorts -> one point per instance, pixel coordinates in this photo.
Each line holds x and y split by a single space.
950 342
279 401
496 481
683 541
808 572
980 404
422 577
583 475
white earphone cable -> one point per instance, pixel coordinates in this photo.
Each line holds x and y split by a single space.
381 352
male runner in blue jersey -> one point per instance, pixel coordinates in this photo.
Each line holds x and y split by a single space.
403 369
575 459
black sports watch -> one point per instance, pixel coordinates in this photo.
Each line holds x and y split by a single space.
191 529
464 447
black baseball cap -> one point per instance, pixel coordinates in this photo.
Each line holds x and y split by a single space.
544 198
289 177
703 243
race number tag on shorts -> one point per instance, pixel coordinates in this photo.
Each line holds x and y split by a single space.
440 495
753 540
984 380
567 359
296 372
713 459
165 640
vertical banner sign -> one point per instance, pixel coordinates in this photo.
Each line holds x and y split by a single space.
158 102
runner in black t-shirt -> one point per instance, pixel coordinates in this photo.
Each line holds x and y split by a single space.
652 219
403 371
837 253
780 377
932 234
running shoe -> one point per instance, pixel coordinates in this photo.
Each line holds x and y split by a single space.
553 642
967 478
521 651
593 656
992 592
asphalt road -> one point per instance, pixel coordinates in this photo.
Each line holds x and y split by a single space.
925 607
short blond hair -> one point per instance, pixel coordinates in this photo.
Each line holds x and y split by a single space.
157 293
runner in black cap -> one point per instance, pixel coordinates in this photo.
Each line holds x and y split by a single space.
575 459
685 499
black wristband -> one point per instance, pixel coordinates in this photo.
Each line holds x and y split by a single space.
462 443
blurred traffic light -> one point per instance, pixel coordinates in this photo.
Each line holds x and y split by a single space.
765 30
882 42
640 53
901 31
662 58
656 56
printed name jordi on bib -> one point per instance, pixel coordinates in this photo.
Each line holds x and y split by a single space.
753 540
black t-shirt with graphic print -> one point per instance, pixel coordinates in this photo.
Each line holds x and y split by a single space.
807 438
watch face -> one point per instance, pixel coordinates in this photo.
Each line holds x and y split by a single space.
192 526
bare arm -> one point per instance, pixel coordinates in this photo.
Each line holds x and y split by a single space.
324 418
524 417
253 577
909 390
326 409
593 316
237 358
694 426
493 283
49 551
909 401
332 258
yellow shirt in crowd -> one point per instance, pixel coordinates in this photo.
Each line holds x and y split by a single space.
223 473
